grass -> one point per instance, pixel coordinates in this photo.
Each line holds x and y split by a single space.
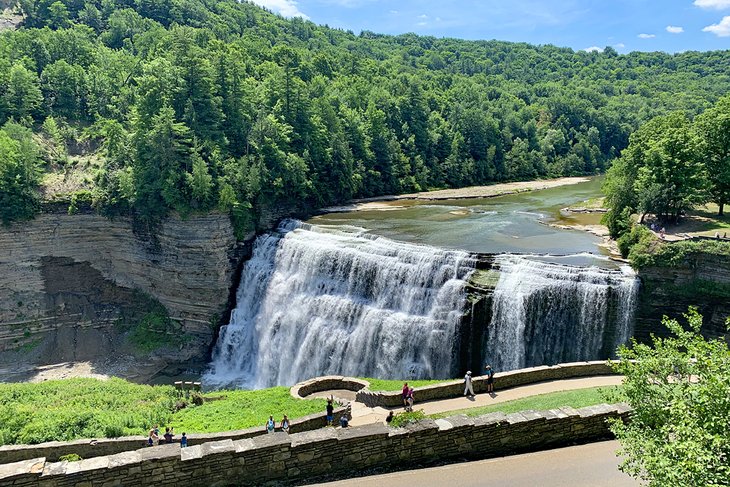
65 410
397 385
243 409
577 399
80 408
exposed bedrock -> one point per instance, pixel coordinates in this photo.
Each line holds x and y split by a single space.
73 286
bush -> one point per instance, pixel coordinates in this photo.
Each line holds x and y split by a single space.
654 253
71 457
402 419
638 233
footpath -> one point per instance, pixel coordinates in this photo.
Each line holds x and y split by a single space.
363 415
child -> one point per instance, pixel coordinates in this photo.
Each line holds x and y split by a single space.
410 400
184 440
270 425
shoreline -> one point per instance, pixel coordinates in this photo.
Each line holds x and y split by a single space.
471 192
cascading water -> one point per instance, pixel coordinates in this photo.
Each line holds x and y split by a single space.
545 313
319 300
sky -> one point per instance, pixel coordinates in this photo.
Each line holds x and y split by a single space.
626 25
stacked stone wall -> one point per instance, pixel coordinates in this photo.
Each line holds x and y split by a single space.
289 458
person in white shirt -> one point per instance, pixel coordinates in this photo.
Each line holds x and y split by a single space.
468 388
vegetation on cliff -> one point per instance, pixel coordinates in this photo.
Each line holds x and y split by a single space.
188 105
679 388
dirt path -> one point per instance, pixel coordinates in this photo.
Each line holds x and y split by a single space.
362 414
491 191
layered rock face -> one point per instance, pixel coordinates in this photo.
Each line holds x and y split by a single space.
701 280
69 283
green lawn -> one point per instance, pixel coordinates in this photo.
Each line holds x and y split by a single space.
397 385
88 408
80 408
243 409
577 399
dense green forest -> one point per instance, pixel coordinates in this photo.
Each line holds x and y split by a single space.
192 105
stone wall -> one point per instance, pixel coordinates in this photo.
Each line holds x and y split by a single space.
328 383
86 449
66 281
325 452
502 380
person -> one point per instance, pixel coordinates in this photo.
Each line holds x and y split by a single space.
468 388
184 440
344 423
270 425
389 418
404 393
153 439
285 424
662 233
717 235
168 435
330 411
411 399
490 378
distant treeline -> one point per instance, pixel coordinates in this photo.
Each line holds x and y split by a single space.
193 105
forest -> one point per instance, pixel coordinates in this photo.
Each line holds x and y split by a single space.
202 105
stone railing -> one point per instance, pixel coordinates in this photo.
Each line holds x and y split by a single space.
53 450
328 383
502 380
325 452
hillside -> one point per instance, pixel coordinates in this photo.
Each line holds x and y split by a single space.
193 105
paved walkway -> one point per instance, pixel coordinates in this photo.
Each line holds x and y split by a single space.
362 414
592 465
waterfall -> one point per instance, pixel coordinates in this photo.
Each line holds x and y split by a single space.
544 314
317 300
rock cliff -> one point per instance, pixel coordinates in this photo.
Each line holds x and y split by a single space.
73 286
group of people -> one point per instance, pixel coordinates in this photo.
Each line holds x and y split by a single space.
283 425
469 387
344 422
154 438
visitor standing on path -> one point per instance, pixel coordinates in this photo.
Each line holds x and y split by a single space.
404 393
270 425
330 411
490 378
410 399
468 388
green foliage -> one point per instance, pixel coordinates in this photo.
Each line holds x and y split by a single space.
577 399
80 408
639 235
71 457
397 385
219 104
156 330
233 410
714 128
405 418
19 174
679 388
650 252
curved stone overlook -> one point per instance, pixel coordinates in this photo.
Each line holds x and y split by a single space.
327 383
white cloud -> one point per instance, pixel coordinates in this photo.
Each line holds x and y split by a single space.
673 29
720 30
423 16
713 4
646 36
620 45
593 49
287 8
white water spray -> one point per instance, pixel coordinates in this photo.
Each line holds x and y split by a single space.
335 300
545 313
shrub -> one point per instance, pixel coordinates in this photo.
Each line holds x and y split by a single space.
402 419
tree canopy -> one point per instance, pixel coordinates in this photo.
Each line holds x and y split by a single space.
202 104
679 389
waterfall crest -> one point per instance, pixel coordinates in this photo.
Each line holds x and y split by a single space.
544 314
316 300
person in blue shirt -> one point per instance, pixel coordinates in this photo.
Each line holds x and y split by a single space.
270 425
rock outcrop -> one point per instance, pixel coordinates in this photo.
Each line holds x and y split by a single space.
71 284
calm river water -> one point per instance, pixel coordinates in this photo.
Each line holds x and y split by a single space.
505 224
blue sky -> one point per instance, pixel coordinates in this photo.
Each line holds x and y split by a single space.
627 25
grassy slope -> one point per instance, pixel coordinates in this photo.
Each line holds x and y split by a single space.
577 399
243 409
